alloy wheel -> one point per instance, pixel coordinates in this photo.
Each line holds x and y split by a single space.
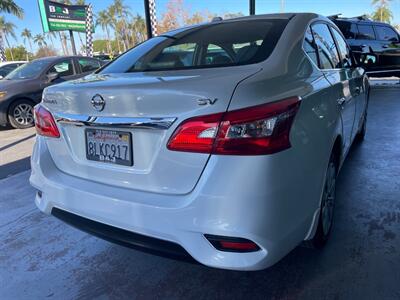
23 114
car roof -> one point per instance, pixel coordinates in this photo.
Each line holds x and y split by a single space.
51 59
12 62
360 21
281 16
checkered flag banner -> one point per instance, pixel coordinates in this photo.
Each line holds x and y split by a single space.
153 17
2 51
89 31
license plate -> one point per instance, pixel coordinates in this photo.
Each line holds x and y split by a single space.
109 146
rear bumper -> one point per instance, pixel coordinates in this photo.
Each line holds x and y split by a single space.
271 216
123 237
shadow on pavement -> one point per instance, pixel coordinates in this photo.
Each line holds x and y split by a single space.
17 142
15 167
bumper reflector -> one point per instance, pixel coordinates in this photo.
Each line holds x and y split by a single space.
232 244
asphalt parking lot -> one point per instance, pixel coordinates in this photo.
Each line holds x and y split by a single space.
40 257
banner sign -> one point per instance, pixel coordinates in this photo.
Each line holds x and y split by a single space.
57 16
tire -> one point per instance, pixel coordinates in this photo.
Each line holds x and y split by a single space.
20 114
328 198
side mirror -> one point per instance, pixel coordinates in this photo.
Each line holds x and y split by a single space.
52 76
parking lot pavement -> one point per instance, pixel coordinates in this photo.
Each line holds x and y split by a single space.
41 257
15 150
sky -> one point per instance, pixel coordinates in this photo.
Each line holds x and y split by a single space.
348 8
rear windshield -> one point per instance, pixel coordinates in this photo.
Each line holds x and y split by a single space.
213 45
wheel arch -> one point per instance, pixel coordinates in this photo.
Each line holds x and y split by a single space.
12 101
337 150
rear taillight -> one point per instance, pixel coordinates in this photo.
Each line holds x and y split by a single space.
258 130
45 123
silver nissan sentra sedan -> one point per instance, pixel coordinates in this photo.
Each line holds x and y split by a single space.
220 142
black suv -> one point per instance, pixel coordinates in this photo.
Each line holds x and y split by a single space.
380 39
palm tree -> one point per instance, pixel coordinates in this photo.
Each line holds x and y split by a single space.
105 21
50 35
122 11
114 22
382 9
39 40
383 14
138 28
6 30
9 6
27 35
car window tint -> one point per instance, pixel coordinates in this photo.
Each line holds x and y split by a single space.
7 69
216 55
385 33
63 68
343 48
348 29
327 52
310 47
88 65
211 45
365 32
180 55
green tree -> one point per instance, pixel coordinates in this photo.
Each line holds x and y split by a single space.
9 6
383 12
18 53
7 29
114 22
137 28
122 12
104 20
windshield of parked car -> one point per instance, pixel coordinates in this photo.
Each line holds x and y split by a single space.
28 71
212 45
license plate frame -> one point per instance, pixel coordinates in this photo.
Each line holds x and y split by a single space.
103 153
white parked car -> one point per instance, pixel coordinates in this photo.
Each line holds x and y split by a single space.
221 141
9 66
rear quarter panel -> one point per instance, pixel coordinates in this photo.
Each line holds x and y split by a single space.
299 172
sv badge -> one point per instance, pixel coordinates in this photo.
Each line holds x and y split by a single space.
206 101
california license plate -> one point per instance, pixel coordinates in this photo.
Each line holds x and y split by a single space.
109 146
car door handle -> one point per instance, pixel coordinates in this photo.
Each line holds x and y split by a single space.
341 101
385 46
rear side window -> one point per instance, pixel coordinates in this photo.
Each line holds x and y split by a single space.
348 29
385 33
365 32
212 45
310 47
327 51
343 48
88 65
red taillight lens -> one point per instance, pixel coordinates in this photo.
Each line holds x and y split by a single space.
196 134
258 130
45 123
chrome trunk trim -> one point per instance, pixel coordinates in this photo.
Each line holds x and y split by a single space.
120 122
